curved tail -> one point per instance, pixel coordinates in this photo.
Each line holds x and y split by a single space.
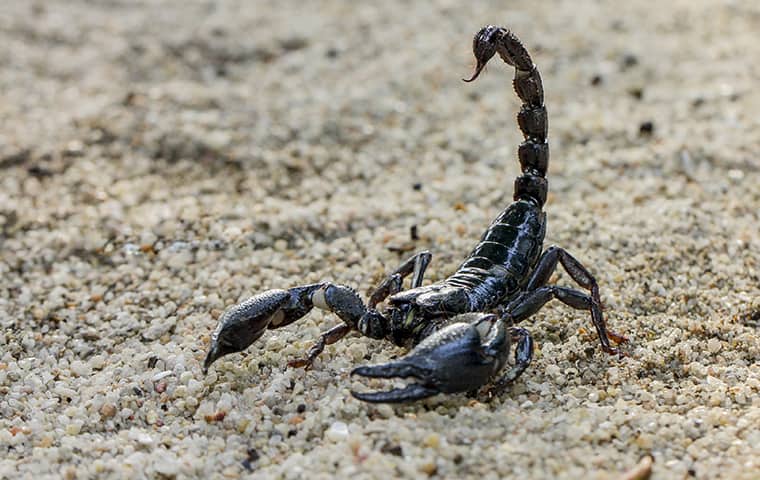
532 118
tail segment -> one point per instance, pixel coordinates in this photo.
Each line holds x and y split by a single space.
532 118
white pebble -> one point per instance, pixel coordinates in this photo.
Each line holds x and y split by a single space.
337 432
80 369
161 375
166 465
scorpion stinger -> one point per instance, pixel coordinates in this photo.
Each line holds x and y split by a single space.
457 344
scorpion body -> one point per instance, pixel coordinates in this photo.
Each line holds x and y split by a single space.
494 273
459 330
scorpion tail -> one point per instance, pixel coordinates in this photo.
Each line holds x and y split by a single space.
532 118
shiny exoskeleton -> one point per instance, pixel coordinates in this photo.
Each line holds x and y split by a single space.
461 329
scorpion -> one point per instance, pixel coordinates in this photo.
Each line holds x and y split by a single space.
459 330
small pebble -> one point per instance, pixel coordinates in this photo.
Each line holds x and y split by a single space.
161 375
337 432
167 466
646 128
108 410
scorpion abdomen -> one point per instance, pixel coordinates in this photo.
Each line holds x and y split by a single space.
501 262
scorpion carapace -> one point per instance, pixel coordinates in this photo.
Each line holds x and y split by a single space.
460 330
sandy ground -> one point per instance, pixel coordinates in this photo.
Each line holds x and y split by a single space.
160 161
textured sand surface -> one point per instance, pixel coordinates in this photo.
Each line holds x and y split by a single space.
161 161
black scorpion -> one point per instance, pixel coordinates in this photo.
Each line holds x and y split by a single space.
460 329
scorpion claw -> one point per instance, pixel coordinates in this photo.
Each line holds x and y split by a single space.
211 357
391 370
400 369
244 323
461 357
409 393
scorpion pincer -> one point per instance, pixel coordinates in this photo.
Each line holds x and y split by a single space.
460 330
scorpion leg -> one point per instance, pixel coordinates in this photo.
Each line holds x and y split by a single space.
523 355
372 320
531 302
546 266
416 264
326 338
460 357
372 323
245 322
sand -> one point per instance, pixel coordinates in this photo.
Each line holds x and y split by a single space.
161 161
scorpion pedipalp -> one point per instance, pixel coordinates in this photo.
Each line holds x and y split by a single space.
244 323
460 357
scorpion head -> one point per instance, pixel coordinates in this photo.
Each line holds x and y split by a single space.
484 47
461 357
395 323
373 325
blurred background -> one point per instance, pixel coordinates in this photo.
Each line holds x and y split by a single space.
162 160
